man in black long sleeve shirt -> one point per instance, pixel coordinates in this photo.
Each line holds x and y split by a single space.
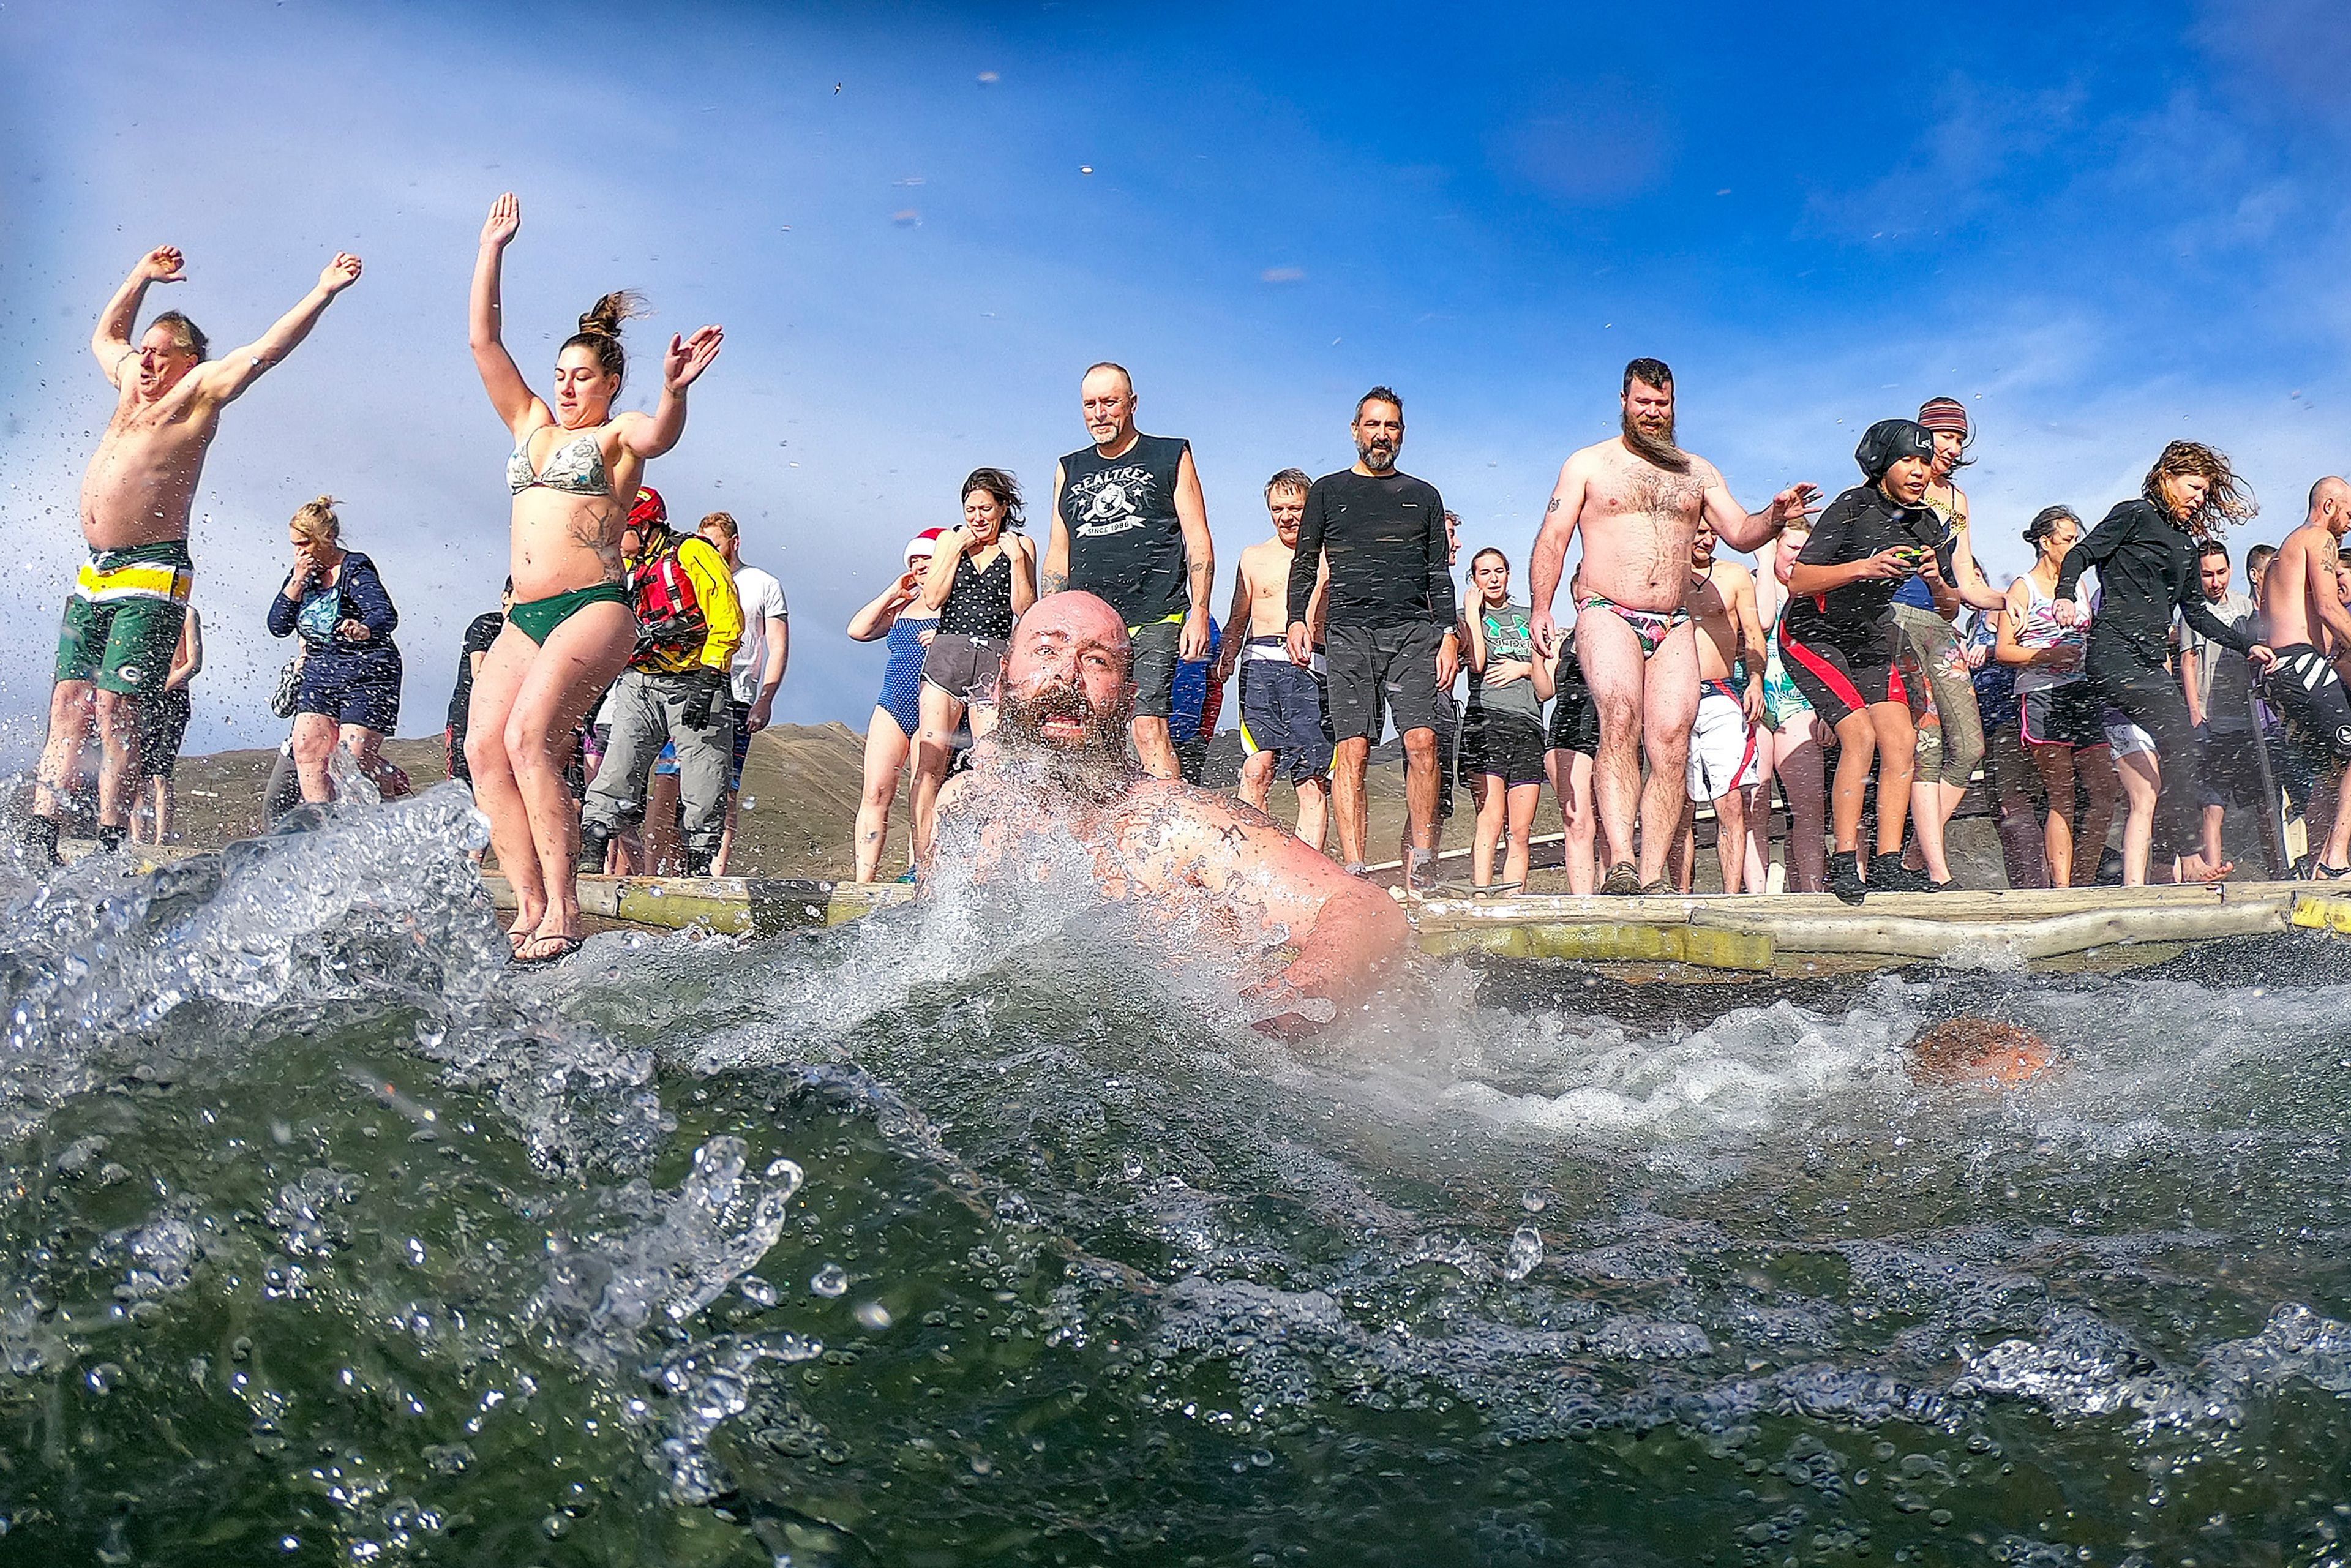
2145 553
1388 636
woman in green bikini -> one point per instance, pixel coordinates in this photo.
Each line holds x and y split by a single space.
575 470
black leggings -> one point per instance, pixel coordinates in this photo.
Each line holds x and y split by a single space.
2152 699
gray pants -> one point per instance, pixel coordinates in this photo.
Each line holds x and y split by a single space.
648 710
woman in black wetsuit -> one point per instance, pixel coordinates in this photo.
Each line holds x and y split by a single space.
1839 643
2145 552
981 581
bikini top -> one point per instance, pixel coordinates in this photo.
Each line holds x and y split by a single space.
576 468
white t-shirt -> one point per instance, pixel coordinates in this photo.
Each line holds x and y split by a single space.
763 597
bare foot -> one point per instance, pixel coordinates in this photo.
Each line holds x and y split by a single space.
2196 868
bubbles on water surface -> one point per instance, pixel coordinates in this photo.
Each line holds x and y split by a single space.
1678 1273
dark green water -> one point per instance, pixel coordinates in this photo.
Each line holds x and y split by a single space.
960 1237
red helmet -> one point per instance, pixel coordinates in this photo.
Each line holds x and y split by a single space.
649 509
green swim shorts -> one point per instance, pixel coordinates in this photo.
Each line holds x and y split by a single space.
122 620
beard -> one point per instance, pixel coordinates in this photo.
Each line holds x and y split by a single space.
1378 458
1659 450
1093 764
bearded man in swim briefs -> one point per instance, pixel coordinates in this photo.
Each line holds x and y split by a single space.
122 619
1638 499
1059 750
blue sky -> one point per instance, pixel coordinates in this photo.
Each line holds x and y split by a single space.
2101 229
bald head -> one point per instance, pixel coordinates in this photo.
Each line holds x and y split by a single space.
1106 398
2330 498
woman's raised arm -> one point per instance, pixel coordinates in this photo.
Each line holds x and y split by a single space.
509 394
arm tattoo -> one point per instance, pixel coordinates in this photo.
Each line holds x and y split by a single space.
1552 507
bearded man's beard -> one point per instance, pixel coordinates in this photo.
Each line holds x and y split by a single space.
1094 764
1659 450
1378 459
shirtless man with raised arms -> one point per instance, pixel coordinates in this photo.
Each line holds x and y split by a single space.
1638 499
2301 603
122 619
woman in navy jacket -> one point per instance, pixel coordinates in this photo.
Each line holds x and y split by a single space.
350 689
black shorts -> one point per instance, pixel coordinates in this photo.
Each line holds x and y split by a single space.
1574 717
361 690
162 725
2070 715
1153 666
2229 768
1512 750
2309 696
1390 668
959 664
1842 669
1284 712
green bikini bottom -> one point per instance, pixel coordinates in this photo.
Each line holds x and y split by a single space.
536 617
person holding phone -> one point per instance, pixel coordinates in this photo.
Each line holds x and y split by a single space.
1840 643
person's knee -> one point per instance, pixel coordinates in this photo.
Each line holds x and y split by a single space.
1420 746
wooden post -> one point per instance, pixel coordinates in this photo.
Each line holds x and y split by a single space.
2272 811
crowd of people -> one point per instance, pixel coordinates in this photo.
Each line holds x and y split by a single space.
1860 679
1844 690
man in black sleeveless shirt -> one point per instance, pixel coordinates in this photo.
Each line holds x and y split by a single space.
1388 631
1130 526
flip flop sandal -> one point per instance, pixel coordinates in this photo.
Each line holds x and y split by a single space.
564 948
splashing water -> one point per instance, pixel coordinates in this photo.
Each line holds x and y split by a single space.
989 1232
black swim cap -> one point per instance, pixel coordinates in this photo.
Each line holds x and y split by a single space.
1888 441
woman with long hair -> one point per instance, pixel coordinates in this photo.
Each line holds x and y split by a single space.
575 470
2145 551
1508 683
982 579
350 694
897 717
2062 727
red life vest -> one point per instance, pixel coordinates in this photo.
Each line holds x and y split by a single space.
669 612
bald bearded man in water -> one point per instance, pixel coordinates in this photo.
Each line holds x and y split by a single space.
1060 744
1638 499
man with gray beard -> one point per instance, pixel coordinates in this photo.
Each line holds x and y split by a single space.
1637 498
1056 764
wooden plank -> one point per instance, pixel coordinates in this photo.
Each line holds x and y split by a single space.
2329 911
1893 934
730 904
1608 941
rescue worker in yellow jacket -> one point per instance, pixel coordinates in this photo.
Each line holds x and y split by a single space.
675 690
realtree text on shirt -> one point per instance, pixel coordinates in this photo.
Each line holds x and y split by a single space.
1384 537
1126 543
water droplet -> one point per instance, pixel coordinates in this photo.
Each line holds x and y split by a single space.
832 1280
872 1315
1526 1251
1533 1202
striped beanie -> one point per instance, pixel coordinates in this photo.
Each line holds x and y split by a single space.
1944 413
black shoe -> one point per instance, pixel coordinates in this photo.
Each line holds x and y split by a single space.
593 842
1624 880
1845 876
1888 874
39 838
110 839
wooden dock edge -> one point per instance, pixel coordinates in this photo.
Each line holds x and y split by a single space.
1751 934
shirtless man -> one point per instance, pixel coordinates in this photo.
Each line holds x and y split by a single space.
2302 603
1285 716
122 619
1638 500
1725 755
1057 759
